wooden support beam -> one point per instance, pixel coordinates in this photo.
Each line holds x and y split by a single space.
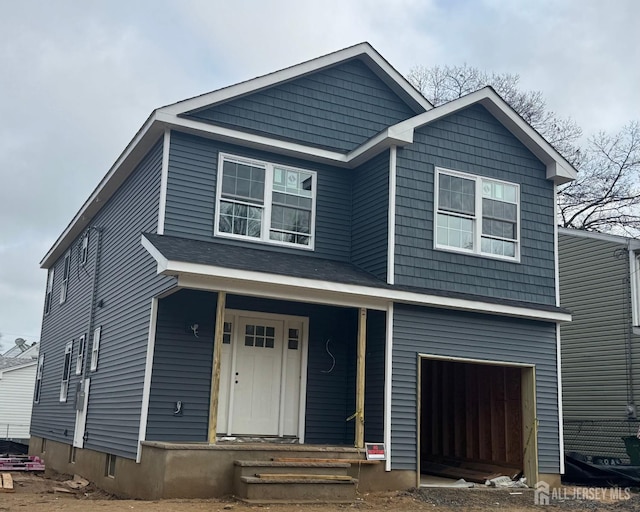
215 371
362 347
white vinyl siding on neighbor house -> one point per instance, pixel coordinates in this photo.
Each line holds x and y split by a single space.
477 215
95 349
80 357
66 371
47 297
65 277
265 202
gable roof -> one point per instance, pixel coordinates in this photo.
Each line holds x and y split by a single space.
558 168
162 120
14 363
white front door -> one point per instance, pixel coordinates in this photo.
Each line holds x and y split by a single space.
258 377
261 376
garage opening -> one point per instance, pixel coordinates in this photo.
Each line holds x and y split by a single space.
476 420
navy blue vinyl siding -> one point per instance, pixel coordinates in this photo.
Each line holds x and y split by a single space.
473 141
449 333
374 377
127 281
65 322
369 226
182 367
191 192
337 108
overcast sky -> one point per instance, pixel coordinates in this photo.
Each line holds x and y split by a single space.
78 78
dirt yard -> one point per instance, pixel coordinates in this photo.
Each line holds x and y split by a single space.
35 493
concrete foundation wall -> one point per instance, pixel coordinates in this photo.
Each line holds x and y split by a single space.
168 470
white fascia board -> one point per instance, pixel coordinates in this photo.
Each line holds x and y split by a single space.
160 259
605 237
558 169
117 174
377 298
381 67
251 139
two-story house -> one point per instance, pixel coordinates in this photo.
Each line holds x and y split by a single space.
305 262
600 284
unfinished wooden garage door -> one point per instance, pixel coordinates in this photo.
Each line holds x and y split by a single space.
471 412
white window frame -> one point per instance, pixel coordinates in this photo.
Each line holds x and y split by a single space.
49 293
476 218
95 348
80 356
84 249
66 270
66 371
268 200
38 387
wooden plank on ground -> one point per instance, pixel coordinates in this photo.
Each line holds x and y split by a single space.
470 475
7 483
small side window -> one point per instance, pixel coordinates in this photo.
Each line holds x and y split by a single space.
95 348
38 388
65 277
47 298
110 467
66 371
80 358
84 250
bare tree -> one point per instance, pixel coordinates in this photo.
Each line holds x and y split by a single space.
605 197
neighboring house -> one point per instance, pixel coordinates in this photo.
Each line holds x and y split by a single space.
599 283
17 379
23 350
367 267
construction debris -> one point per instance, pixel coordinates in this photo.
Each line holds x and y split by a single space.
77 483
6 483
21 463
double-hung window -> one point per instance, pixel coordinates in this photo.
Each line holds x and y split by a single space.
66 371
47 297
477 215
38 387
95 348
80 357
66 270
265 202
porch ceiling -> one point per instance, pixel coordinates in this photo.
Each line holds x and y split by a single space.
224 266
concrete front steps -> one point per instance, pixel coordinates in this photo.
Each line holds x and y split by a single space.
264 482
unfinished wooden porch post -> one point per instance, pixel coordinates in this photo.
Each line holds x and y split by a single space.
362 346
215 370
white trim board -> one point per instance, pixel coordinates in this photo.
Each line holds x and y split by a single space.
281 286
148 370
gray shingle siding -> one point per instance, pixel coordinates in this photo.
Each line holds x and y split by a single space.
369 226
127 281
492 338
473 141
191 192
337 108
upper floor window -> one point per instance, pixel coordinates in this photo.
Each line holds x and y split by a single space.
84 249
477 215
66 270
635 288
38 387
47 297
95 348
265 202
